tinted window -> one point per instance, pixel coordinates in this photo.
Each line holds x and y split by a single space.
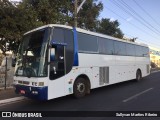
139 51
145 51
130 49
69 54
106 46
120 48
58 35
87 43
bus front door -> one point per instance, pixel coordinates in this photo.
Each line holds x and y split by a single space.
57 62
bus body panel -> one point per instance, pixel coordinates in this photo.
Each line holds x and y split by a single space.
64 85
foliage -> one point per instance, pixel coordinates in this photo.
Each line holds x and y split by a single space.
15 20
88 15
106 26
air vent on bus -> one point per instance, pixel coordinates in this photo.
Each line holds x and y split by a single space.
104 75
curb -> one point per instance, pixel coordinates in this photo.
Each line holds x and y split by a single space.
5 101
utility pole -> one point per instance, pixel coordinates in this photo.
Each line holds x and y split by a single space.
5 66
76 10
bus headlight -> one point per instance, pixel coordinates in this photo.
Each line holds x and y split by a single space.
41 84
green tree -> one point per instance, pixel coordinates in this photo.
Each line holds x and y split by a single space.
89 13
7 24
106 26
49 11
62 11
14 22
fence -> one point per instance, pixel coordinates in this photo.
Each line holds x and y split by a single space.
9 79
10 73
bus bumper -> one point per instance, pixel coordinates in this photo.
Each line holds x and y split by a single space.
39 93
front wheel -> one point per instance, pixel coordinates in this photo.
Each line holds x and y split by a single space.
80 88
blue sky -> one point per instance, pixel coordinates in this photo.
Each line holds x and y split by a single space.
136 23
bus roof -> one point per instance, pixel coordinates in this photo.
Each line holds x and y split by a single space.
49 25
86 32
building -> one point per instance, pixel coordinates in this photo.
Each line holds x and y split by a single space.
154 56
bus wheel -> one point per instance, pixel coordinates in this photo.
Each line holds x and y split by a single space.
80 88
138 75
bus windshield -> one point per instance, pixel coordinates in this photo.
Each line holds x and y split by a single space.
32 55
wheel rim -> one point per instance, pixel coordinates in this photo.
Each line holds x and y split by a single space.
81 87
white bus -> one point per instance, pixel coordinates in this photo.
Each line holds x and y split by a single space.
58 60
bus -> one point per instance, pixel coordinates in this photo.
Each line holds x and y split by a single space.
58 60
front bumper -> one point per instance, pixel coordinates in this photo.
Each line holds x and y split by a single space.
39 93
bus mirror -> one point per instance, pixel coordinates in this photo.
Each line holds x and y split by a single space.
52 54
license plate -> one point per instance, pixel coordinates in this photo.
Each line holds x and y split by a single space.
22 91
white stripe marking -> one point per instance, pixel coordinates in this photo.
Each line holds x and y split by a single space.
136 95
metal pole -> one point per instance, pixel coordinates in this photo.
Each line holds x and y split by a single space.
76 10
5 66
6 73
75 13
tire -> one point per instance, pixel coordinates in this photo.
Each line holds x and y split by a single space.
138 75
80 88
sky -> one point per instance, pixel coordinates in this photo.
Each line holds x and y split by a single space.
138 18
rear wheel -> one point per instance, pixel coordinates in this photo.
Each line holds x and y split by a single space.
138 75
80 88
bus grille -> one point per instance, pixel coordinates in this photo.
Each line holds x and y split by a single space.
23 82
104 75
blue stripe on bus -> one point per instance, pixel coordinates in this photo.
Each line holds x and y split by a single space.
76 63
42 92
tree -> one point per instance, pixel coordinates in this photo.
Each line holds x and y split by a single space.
14 22
7 11
62 11
50 11
89 13
106 26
